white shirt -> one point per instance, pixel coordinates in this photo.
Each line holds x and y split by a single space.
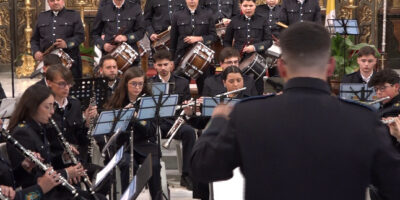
64 105
366 79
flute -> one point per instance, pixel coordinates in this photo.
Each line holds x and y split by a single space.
231 92
28 154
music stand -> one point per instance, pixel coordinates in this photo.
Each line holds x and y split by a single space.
158 87
157 106
84 89
139 181
209 104
358 92
108 122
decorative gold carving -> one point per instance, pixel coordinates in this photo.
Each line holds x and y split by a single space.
366 35
5 16
90 4
365 14
5 47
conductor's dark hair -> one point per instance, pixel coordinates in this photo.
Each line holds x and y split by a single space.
366 51
51 59
228 70
59 70
162 54
305 45
28 104
385 76
241 1
120 95
104 58
228 52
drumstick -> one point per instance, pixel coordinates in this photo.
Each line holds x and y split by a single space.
248 43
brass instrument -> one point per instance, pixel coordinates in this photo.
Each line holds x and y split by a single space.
28 154
2 197
174 129
282 25
67 148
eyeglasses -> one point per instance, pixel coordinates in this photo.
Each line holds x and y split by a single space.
235 62
382 88
137 84
63 84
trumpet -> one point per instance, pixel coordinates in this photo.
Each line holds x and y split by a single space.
174 129
71 154
28 154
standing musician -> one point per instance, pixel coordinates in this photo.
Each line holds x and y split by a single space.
357 141
271 10
133 84
189 26
117 22
60 27
223 10
299 11
366 61
158 15
213 85
48 60
27 126
177 85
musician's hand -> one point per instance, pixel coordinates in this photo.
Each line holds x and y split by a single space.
120 38
38 56
108 47
60 43
74 150
276 40
394 127
193 39
8 192
154 37
226 21
49 180
90 113
222 110
28 165
249 49
103 36
75 172
188 110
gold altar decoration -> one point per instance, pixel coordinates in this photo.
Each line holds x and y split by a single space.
350 6
27 67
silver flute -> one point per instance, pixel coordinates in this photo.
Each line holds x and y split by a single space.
378 100
2 197
71 154
231 92
28 154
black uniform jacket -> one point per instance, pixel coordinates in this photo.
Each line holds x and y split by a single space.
213 85
178 85
158 14
7 179
354 77
201 23
243 32
110 21
305 140
293 11
222 8
272 16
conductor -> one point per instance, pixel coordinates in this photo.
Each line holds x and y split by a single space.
303 144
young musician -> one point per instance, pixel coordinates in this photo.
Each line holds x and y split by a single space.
109 70
60 27
133 85
27 126
299 11
248 32
223 10
213 85
367 62
271 10
177 85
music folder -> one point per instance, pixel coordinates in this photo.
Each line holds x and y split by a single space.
108 118
100 176
209 104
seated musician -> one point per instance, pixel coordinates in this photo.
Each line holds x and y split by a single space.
109 70
177 85
133 84
213 85
27 126
223 10
271 10
189 26
367 62
60 27
49 59
118 22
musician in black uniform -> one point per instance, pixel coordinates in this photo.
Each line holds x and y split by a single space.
213 85
271 10
117 22
48 60
367 62
191 25
109 70
27 126
158 15
133 84
328 138
177 85
60 27
223 10
299 11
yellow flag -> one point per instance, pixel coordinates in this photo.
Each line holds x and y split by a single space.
330 11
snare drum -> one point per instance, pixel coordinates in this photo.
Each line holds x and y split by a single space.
274 51
125 56
66 60
255 66
144 46
163 41
197 60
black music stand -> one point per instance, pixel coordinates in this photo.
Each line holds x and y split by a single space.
358 92
84 89
343 27
209 103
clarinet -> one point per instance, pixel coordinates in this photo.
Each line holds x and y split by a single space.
71 154
28 154
2 197
91 128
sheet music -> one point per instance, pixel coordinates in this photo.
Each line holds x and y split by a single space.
108 168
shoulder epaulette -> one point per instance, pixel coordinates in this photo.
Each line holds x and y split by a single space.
22 124
256 98
357 103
